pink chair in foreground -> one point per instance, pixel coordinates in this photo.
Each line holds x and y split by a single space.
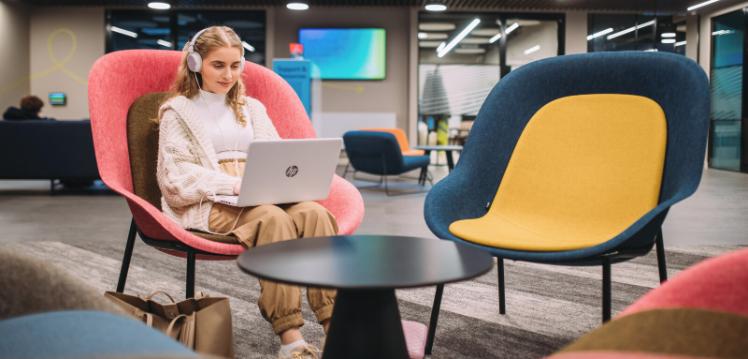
700 313
117 80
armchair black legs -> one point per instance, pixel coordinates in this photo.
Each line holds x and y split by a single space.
606 290
126 258
190 254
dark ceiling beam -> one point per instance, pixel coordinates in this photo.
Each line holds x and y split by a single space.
647 6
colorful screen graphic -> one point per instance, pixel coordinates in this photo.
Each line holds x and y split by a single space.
346 54
57 98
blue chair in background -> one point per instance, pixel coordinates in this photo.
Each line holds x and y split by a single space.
379 153
576 160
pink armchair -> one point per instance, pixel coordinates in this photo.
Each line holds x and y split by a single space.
117 80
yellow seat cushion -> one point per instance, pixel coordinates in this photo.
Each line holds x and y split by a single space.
584 169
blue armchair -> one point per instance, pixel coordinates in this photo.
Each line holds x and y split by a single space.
379 153
576 160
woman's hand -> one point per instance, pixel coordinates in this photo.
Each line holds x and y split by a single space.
237 187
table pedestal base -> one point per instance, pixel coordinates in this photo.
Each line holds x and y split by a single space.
366 324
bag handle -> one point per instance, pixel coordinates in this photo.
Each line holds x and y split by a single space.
152 295
148 319
173 323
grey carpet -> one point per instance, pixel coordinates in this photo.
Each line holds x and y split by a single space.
547 306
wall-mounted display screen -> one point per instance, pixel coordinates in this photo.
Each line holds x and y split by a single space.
346 54
57 99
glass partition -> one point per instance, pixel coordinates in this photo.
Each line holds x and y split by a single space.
143 29
727 64
462 56
636 32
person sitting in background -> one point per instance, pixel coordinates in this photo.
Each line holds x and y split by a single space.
30 108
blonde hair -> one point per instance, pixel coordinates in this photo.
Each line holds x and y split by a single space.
185 83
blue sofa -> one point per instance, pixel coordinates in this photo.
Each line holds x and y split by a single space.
52 150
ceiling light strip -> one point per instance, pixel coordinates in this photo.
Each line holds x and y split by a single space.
599 33
247 46
631 29
122 31
532 49
509 29
700 5
441 51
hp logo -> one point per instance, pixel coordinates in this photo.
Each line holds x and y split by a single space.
292 171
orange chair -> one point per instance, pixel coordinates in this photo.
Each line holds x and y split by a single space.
402 140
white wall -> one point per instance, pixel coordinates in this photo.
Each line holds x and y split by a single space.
576 32
692 37
14 55
65 42
389 95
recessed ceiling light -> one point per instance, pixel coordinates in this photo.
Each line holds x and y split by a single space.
668 41
297 5
435 7
159 5
668 34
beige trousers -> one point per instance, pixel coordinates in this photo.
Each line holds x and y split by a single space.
280 304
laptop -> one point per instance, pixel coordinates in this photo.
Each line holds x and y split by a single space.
286 171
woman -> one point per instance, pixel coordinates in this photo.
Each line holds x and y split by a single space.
205 130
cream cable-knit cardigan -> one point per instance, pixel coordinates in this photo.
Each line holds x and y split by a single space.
188 172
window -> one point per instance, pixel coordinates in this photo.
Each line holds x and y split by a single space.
143 29
727 91
617 32
456 73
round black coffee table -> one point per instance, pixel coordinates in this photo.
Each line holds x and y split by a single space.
365 269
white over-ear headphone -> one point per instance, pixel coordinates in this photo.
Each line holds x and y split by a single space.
195 61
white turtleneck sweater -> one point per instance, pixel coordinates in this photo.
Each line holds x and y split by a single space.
188 171
230 139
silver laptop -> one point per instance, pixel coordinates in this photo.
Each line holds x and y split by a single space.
286 171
